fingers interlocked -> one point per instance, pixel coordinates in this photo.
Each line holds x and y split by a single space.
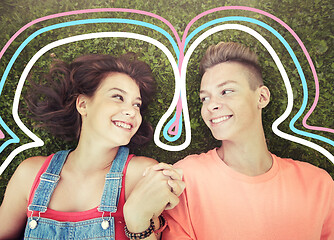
174 180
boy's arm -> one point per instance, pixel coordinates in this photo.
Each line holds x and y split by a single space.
328 227
179 224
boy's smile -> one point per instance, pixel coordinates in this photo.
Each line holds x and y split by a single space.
220 119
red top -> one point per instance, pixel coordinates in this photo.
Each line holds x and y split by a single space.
84 215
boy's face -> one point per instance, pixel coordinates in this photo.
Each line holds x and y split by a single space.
230 108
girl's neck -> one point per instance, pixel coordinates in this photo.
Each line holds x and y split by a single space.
90 156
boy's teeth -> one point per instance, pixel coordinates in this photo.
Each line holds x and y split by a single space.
217 120
123 125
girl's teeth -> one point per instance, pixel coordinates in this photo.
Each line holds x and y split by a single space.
123 125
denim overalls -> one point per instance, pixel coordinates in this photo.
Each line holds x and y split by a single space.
97 228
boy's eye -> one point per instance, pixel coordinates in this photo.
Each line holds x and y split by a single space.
226 92
203 99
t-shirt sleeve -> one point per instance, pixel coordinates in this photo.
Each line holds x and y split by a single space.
328 227
178 222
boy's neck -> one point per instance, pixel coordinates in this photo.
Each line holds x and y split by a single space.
250 158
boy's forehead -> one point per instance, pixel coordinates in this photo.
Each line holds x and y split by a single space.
225 73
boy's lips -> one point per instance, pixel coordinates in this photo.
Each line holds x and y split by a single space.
220 119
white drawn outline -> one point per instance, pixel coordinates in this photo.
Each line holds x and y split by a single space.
180 86
37 141
280 68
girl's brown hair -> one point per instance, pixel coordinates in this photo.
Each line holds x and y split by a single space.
53 103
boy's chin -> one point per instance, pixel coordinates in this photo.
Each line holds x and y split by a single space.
219 137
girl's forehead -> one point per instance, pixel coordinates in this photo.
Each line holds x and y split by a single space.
119 80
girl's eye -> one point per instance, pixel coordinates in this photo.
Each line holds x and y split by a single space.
117 96
138 105
203 99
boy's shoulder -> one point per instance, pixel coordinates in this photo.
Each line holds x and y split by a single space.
196 159
302 169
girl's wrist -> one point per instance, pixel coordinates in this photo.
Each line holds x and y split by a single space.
135 220
140 234
157 225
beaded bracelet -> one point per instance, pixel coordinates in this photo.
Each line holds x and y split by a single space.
141 235
163 224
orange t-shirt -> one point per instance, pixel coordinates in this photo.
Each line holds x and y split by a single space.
293 200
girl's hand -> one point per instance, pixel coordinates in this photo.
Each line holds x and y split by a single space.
157 190
175 182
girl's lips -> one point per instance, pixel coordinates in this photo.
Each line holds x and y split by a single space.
220 119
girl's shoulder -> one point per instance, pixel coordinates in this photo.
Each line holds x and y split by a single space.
138 165
31 165
26 172
142 162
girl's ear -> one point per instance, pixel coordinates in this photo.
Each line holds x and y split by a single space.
81 104
264 97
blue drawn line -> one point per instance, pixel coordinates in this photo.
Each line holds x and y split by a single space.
67 24
14 139
293 56
177 136
79 22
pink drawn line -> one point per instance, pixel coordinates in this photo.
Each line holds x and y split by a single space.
293 34
181 44
2 136
92 11
174 128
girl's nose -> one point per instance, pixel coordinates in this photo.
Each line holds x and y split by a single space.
129 111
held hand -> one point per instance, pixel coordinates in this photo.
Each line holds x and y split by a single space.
158 189
175 182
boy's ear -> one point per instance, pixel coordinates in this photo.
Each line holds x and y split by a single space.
81 104
264 97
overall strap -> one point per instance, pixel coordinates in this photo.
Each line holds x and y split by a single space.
48 182
113 182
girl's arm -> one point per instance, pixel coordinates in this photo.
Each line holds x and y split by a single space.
151 194
13 210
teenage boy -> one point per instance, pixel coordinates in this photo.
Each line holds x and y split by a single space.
240 190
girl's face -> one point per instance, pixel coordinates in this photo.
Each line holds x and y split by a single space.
113 113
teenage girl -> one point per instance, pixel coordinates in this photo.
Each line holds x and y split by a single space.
97 190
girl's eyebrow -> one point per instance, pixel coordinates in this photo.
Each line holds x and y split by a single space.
117 89
221 85
122 91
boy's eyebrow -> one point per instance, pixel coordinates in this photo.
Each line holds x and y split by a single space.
221 85
227 82
122 91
